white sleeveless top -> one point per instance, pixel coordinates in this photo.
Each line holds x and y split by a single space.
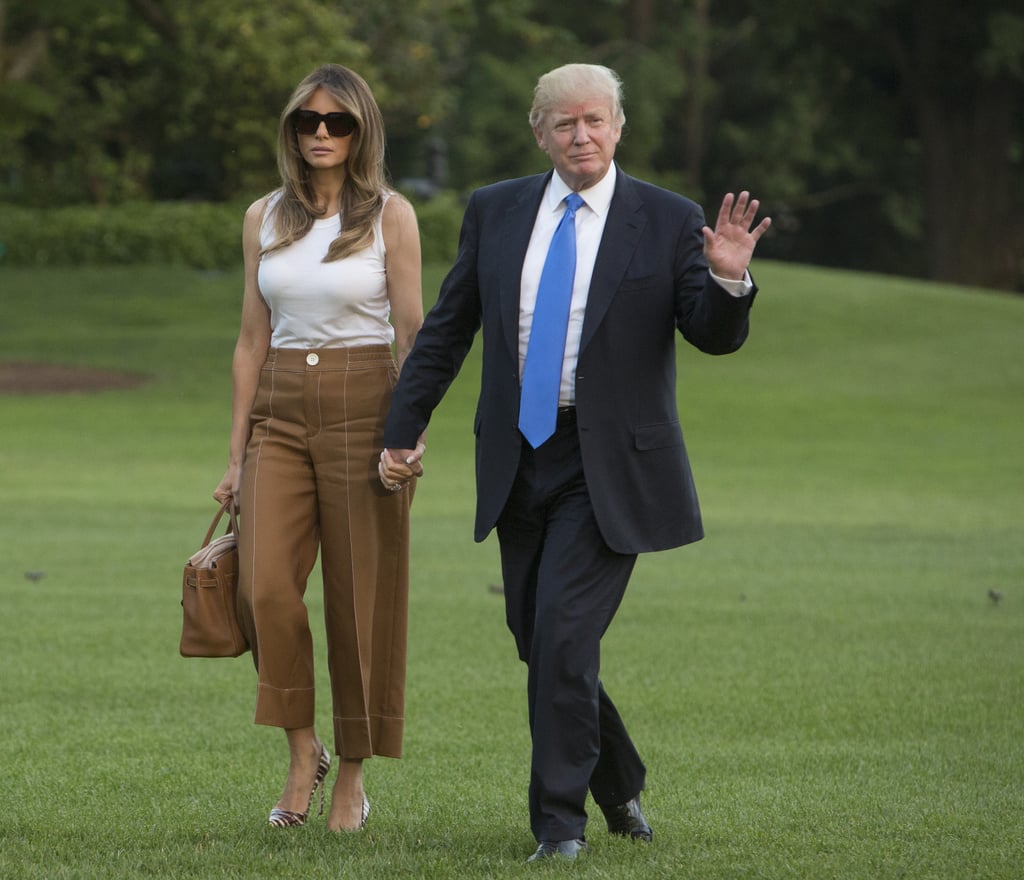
314 304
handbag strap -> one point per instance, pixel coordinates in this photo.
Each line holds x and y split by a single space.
226 506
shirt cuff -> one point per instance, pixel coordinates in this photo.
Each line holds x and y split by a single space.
733 287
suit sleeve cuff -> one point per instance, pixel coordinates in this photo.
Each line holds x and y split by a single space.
732 287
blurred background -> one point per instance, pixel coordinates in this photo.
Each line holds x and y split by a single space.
881 135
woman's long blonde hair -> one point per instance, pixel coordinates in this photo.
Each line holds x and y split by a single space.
361 197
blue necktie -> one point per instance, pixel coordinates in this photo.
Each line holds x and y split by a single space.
542 373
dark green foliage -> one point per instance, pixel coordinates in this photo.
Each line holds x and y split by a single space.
884 135
203 235
440 219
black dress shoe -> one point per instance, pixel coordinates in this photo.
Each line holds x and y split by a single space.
565 849
626 820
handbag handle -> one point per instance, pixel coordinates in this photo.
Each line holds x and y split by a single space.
229 507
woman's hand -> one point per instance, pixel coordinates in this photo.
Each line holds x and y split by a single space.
229 485
398 466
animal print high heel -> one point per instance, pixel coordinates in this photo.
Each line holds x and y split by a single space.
364 814
289 818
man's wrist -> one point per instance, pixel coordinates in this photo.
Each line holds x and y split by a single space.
735 287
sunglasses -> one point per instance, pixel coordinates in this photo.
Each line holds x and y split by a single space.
339 125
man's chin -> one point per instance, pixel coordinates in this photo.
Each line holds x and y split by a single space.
585 174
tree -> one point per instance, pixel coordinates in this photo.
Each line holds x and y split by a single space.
882 134
889 132
417 47
968 118
127 99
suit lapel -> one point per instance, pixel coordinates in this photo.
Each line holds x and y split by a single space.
622 230
515 239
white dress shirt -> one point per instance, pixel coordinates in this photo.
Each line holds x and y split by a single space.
590 220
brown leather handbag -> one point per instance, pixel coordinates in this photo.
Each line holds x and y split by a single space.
208 595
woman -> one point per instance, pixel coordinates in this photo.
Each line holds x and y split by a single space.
332 280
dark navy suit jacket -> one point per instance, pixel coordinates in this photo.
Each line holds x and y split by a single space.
650 279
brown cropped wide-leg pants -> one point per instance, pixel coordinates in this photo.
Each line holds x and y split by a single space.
310 482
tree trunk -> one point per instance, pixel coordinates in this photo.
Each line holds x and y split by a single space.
973 233
699 91
641 21
965 127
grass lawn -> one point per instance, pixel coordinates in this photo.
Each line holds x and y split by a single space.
823 688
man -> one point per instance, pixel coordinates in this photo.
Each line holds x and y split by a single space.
596 472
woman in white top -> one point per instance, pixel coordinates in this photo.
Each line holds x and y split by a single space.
331 307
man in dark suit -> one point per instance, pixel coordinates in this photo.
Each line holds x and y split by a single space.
607 476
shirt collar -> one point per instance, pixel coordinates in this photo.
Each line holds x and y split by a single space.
597 198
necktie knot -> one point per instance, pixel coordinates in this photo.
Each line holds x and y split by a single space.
573 202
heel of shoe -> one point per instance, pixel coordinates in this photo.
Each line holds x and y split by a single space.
289 818
321 774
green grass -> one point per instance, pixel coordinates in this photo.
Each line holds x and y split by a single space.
821 689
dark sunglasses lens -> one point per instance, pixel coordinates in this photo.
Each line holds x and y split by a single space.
306 121
338 124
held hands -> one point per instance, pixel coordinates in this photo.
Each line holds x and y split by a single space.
398 466
729 247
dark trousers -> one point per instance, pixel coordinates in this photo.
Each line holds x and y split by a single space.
562 588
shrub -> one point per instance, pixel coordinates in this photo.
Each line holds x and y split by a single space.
439 219
203 235
199 234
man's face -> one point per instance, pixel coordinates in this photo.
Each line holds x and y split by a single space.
580 137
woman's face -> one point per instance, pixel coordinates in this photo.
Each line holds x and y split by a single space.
322 150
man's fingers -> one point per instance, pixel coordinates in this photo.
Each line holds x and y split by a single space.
725 211
400 465
739 210
416 454
750 213
761 228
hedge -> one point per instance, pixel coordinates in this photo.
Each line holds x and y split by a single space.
203 235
